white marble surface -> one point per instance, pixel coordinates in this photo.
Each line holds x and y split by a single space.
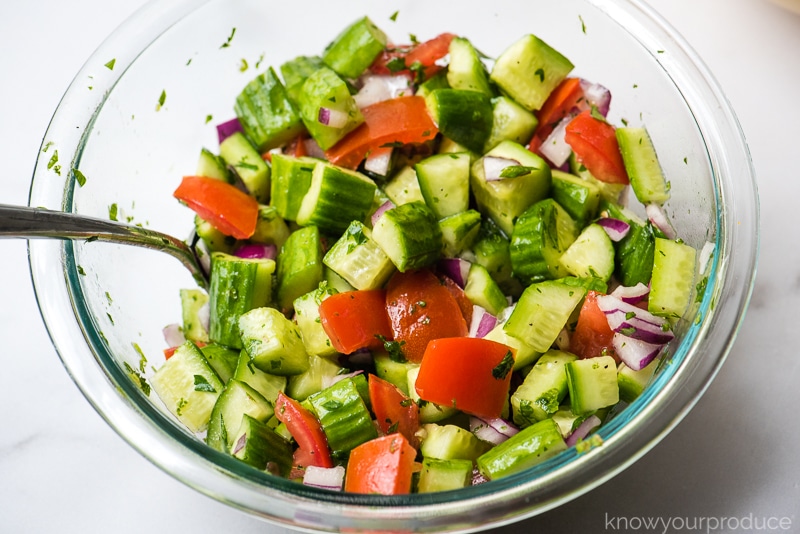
62 469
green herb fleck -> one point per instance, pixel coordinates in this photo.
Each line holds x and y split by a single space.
53 160
357 235
393 427
181 404
79 177
501 370
138 378
110 64
112 211
586 445
700 289
189 62
394 348
260 59
396 64
244 165
140 352
332 405
413 38
540 73
629 331
243 65
393 144
227 43
419 72
685 161
583 24
47 146
209 118
111 319
405 403
393 17
201 384
513 171
596 114
81 271
161 99
630 315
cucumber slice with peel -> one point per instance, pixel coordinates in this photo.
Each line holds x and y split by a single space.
674 266
590 255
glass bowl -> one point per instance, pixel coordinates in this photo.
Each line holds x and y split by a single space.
141 125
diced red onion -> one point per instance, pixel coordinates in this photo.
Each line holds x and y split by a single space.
596 95
360 357
615 228
656 215
706 253
378 161
482 322
456 269
228 128
257 251
477 478
493 167
584 429
332 117
378 87
331 380
635 353
240 444
494 431
555 147
635 322
173 335
313 149
631 294
329 478
386 206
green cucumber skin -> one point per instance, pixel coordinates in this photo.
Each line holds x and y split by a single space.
634 255
291 178
541 234
466 70
462 115
335 198
444 183
295 71
641 164
237 286
672 283
443 475
529 70
267 116
260 446
300 266
222 359
212 166
592 384
266 384
236 400
239 153
530 446
545 386
343 416
355 48
409 235
325 89
579 197
273 342
482 290
459 232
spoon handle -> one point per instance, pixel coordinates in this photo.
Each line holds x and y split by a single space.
32 223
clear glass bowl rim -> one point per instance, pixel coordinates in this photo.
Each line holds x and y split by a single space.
543 487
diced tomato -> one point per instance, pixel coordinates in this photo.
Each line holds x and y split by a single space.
420 309
594 142
305 429
426 53
356 320
470 374
401 120
592 336
394 410
229 210
170 351
561 101
381 466
462 299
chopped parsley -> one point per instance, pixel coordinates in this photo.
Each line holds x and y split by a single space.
110 64
260 59
201 384
81 271
357 235
139 351
394 348
79 177
227 43
583 24
501 370
393 427
138 378
700 289
393 16
513 171
331 405
243 65
540 73
53 160
161 99
209 118
419 72
113 211
396 64
47 146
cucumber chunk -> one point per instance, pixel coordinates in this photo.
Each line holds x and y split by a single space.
299 265
291 178
529 70
212 166
192 301
674 266
482 290
357 258
320 370
236 400
392 370
295 71
271 229
258 445
188 386
273 342
242 157
466 70
237 286
524 354
541 235
510 122
448 442
323 91
528 447
544 387
355 48
459 232
336 197
222 359
343 416
542 311
592 384
306 315
580 198
641 163
403 188
213 239
409 235
590 255
462 115
267 116
444 183
505 200
443 475
632 383
266 384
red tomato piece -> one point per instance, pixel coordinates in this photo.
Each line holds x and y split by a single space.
170 351
401 120
394 410
595 144
592 336
383 465
470 374
306 431
426 53
229 210
464 304
420 309
356 320
561 101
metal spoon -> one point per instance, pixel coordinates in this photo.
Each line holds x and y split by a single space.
31 223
